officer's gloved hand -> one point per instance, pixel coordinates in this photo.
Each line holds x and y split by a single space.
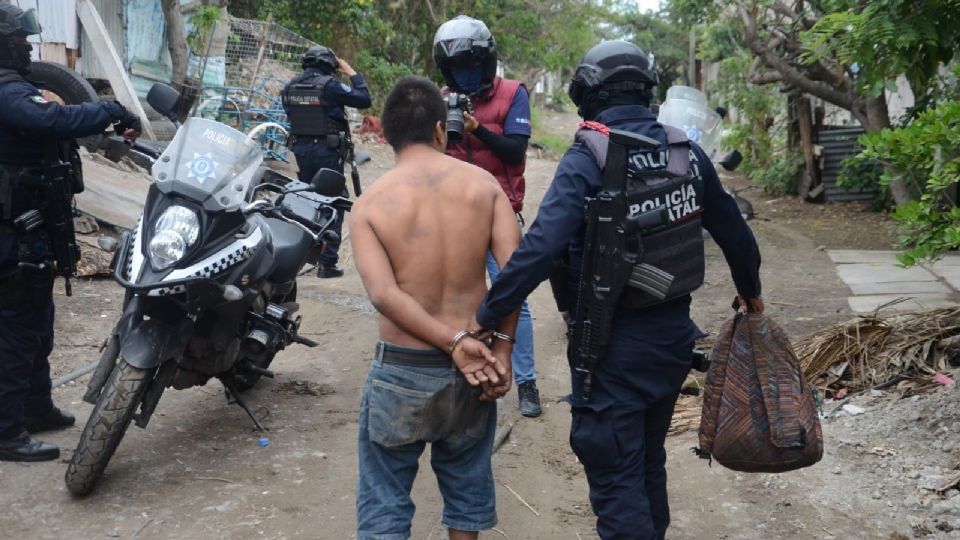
125 123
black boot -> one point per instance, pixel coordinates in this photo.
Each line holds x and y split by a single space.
529 399
23 447
53 419
326 272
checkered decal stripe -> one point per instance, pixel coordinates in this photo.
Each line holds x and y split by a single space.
235 253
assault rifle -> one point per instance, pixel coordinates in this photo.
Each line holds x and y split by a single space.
58 183
348 156
611 251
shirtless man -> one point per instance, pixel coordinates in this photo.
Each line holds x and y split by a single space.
420 237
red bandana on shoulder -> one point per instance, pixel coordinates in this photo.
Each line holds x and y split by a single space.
596 126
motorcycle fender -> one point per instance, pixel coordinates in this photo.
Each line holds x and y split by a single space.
153 341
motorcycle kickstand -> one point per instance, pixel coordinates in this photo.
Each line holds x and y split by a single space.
232 392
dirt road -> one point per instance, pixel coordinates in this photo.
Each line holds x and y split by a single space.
199 472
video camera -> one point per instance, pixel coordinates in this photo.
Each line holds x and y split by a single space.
457 104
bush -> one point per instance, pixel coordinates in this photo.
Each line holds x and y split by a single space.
926 155
381 75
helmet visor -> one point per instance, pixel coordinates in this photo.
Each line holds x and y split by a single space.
29 22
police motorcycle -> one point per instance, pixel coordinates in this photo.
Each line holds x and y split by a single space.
210 276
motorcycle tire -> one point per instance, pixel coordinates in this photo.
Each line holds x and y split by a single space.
106 426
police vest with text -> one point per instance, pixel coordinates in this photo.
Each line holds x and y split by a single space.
307 108
670 178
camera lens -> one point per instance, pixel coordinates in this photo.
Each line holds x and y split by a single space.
454 125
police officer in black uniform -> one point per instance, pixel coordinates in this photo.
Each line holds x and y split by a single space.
319 132
618 432
38 160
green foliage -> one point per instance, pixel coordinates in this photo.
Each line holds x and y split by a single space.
655 34
383 38
380 73
927 155
756 133
883 39
202 21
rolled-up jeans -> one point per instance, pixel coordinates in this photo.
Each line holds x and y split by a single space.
522 357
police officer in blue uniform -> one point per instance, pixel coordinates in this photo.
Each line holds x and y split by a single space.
618 432
319 132
31 129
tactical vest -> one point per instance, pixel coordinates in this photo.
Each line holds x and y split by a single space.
492 113
672 179
307 108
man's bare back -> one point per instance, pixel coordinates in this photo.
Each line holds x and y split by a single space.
434 216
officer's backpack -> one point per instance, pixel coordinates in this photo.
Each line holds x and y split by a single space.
759 414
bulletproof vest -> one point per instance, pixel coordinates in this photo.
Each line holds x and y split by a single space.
670 178
492 113
307 108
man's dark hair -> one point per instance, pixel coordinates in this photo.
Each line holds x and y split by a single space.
411 111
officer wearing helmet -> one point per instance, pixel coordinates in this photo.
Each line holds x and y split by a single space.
619 423
319 132
38 162
495 139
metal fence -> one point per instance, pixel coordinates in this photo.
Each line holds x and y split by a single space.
259 58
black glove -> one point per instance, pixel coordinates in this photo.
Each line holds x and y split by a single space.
124 120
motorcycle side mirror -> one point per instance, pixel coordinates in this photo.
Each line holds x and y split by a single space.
328 182
732 160
164 99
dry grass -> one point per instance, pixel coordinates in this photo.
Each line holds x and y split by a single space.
905 350
902 351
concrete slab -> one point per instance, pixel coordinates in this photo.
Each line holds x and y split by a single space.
867 304
949 261
950 274
852 256
900 287
881 273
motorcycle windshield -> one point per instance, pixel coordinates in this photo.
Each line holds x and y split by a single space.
210 163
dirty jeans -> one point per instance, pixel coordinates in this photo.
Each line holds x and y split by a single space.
412 397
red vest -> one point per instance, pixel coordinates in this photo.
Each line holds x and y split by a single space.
492 113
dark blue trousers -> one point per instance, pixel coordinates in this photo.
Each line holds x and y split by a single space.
26 339
621 449
619 434
311 157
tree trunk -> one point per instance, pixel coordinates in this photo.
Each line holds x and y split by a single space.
176 40
873 116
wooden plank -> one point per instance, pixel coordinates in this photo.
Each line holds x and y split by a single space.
54 52
110 60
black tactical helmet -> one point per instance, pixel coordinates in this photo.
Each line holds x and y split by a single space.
612 66
15 21
464 41
321 58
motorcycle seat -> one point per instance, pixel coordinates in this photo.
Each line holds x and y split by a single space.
291 245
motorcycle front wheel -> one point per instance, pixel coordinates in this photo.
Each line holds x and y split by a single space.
106 426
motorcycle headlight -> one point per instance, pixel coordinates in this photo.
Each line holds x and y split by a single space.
175 231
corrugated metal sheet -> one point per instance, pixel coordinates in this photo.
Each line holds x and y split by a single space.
58 19
111 11
838 144
146 31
